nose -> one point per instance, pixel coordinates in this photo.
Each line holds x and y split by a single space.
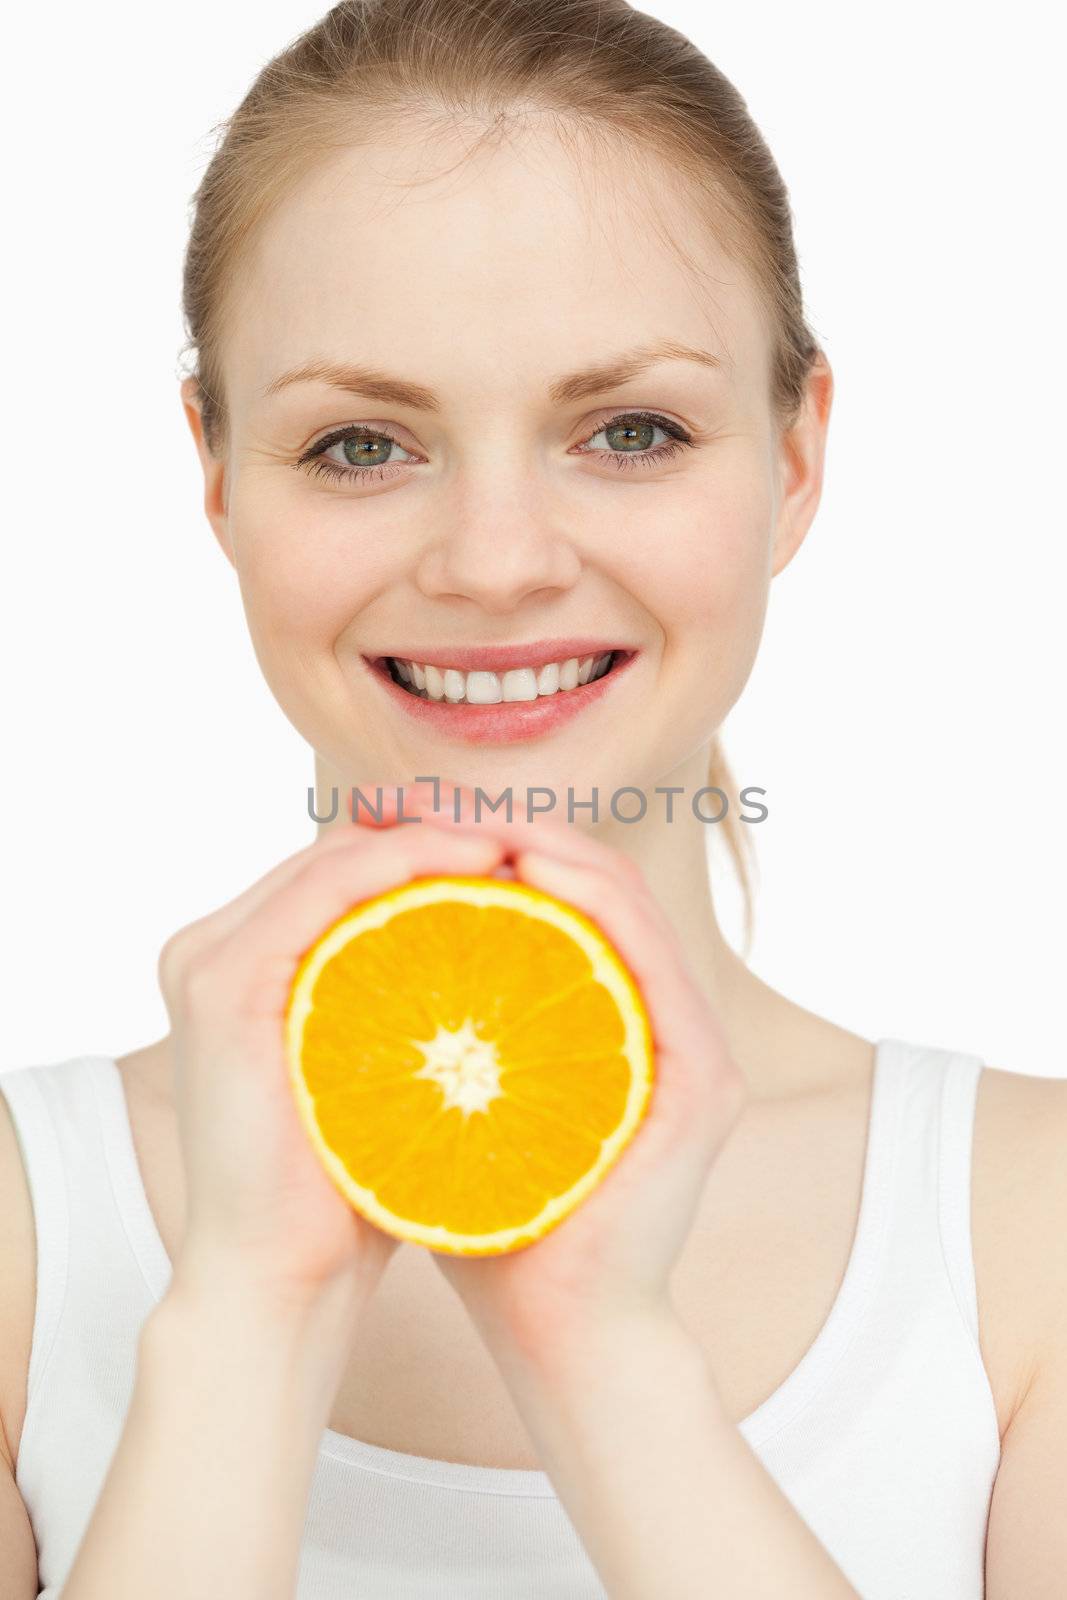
498 554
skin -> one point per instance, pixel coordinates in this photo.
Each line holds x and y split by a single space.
675 558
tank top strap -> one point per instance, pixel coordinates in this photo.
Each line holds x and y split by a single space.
931 1228
32 1096
86 1268
959 1092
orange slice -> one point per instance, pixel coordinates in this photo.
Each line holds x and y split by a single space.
469 1056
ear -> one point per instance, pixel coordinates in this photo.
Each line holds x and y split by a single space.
803 450
214 470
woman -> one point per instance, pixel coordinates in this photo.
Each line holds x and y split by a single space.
502 369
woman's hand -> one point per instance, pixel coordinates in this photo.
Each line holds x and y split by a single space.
260 1205
614 1253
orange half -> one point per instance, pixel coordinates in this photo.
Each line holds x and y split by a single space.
469 1056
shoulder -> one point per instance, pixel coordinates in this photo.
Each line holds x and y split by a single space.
1021 1137
17 1284
1019 1214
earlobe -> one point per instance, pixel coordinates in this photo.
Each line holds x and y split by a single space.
803 455
213 468
800 498
788 540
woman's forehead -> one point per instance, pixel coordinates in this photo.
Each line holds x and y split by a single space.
517 249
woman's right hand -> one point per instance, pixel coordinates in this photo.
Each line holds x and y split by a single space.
260 1206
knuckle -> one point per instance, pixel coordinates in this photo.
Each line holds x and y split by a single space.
200 983
173 959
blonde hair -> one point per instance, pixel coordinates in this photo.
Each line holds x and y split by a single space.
599 65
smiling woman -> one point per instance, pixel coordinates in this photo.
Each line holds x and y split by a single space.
269 411
508 413
481 155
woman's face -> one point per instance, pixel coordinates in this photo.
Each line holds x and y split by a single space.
513 509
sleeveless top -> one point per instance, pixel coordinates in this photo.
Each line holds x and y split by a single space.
884 1436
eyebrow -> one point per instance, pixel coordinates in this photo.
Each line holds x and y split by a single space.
371 384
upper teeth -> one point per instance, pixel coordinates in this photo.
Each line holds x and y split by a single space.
486 688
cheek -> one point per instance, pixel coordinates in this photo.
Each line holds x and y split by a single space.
708 579
301 578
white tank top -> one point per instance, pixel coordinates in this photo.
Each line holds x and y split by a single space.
884 1436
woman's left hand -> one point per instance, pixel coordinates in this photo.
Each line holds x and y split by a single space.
614 1253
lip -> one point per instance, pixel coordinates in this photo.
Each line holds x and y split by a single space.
508 721
503 657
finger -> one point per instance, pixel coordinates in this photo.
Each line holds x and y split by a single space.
205 931
194 937
251 969
544 832
683 1023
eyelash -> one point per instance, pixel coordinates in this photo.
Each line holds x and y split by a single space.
314 462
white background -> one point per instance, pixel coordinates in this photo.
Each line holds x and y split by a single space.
906 710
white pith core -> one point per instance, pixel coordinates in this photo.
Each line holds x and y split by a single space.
455 686
464 1066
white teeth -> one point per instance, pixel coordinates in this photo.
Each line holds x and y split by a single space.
483 688
435 683
520 684
488 688
548 678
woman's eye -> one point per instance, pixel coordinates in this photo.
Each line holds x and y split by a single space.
356 453
630 439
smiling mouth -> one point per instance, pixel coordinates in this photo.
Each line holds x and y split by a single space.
449 686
